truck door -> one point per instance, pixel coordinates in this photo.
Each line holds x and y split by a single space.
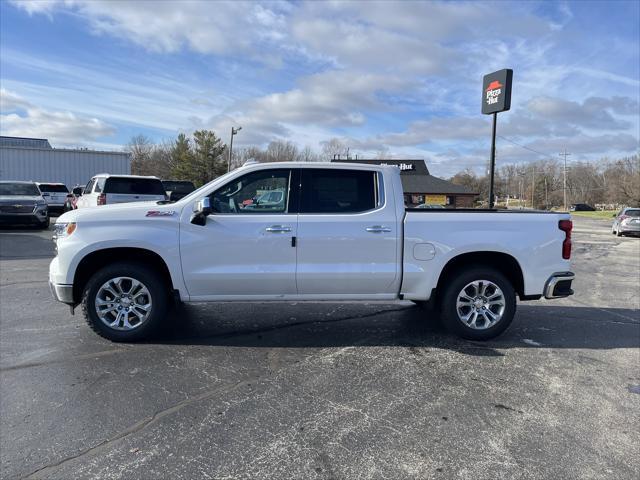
347 238
247 246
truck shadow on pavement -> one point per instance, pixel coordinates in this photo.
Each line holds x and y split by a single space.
334 325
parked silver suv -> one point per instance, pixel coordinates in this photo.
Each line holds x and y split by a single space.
22 203
627 221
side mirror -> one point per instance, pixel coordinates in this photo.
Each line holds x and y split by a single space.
201 210
77 191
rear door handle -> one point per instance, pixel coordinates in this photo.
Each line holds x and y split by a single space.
378 229
278 229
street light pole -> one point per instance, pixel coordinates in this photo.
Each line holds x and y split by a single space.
234 131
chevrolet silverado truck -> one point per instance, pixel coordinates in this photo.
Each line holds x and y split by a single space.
341 233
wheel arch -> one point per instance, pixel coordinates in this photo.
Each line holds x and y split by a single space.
500 261
97 259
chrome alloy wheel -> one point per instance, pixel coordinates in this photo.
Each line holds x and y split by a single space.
480 304
123 303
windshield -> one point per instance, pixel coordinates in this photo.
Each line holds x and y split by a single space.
196 192
24 189
47 187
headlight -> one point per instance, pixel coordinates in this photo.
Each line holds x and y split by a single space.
62 230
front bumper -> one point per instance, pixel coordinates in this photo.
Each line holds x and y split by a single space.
62 293
22 218
559 285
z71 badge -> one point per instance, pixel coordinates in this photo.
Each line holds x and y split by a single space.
160 213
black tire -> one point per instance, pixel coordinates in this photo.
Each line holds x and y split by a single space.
454 285
44 225
618 232
158 292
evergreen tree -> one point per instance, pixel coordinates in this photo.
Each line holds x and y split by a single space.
182 159
208 161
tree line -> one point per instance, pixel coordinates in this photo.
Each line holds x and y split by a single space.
203 156
540 184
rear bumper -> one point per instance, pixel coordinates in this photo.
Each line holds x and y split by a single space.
559 285
629 228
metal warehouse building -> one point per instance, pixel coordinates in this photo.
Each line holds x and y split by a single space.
421 187
35 159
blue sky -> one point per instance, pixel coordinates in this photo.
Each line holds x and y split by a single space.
397 77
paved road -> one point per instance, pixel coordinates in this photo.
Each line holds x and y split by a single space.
325 390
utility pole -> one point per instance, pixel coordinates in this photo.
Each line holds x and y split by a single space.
533 185
564 183
234 131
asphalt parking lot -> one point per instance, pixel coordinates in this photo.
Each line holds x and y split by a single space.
325 390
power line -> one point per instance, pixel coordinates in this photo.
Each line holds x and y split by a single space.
526 148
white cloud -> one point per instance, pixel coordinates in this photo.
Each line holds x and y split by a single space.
60 127
163 26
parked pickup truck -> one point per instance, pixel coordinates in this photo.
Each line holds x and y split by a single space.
341 233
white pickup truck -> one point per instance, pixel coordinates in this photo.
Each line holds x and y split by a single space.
341 233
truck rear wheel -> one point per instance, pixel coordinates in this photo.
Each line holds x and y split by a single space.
125 302
478 303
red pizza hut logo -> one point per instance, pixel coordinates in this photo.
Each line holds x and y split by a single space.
493 92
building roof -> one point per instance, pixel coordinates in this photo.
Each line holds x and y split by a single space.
24 142
415 177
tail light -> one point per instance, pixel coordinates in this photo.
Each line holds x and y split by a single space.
102 199
566 226
623 217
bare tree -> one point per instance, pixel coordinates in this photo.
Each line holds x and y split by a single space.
332 148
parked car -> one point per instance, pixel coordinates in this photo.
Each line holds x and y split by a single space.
581 207
429 205
55 194
341 233
177 189
105 189
627 221
22 204
71 202
269 200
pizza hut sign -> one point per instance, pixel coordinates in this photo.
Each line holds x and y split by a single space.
496 91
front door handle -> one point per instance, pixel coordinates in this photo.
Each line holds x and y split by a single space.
378 229
278 229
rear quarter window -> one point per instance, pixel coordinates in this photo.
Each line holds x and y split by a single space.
134 186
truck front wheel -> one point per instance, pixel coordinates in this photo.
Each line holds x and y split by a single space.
125 302
478 303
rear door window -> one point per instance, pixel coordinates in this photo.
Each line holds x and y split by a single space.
338 191
134 186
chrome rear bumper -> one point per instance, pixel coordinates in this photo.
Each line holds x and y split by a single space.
559 285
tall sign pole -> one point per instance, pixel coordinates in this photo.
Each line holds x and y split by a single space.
492 166
496 97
